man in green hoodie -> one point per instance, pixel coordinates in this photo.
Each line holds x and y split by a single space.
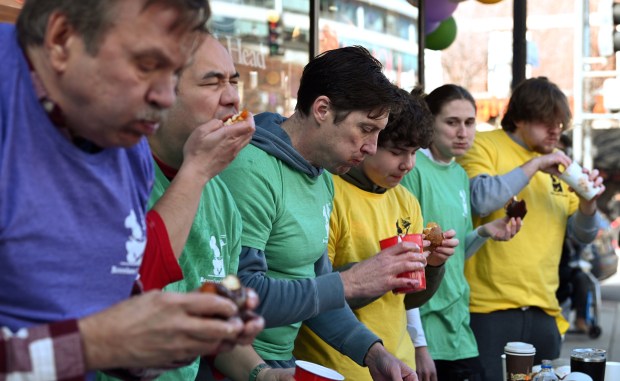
284 193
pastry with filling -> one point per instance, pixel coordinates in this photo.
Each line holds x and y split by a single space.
515 208
241 116
433 233
231 288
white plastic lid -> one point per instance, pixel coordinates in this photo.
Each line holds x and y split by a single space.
519 348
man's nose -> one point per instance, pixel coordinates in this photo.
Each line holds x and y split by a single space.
230 96
162 93
370 148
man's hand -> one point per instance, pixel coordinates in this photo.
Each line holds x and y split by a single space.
501 229
208 150
251 327
159 329
378 274
383 366
548 163
425 366
588 207
212 146
441 253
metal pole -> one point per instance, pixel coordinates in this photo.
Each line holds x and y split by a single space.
519 46
578 82
314 28
587 125
421 42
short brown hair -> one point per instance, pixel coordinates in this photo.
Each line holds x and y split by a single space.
537 100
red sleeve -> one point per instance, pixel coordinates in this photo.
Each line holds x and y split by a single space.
159 265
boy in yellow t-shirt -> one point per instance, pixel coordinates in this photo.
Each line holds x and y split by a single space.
370 205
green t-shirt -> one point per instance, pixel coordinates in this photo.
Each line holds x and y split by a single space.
443 193
211 251
285 214
214 242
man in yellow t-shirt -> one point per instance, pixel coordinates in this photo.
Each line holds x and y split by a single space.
513 283
369 206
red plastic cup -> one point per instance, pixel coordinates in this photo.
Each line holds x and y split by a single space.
415 275
308 371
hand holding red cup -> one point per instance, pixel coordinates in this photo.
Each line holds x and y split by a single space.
415 275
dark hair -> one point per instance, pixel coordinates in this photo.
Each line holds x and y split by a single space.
437 98
352 79
412 125
92 18
536 100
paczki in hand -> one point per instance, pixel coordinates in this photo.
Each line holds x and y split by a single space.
434 234
231 288
515 208
243 115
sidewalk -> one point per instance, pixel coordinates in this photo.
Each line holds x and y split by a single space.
609 319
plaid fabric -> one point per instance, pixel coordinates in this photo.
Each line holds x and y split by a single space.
46 352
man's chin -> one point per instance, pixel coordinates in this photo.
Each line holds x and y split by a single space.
340 170
544 150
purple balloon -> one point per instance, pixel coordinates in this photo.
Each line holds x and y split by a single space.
430 26
439 10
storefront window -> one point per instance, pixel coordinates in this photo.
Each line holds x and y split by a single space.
269 45
387 29
269 41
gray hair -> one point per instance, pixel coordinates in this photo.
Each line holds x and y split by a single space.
92 18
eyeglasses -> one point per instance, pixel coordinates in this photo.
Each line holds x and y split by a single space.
551 126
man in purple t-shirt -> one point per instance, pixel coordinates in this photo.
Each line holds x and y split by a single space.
82 84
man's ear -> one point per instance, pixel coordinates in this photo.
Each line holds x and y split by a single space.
58 39
321 109
519 124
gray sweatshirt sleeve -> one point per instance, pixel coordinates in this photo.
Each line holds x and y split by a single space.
490 193
473 242
434 276
287 301
582 227
341 329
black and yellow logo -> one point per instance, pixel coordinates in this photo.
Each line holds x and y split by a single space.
402 226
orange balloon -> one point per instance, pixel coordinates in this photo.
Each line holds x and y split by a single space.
489 1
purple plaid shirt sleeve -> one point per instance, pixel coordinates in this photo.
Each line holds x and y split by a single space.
45 352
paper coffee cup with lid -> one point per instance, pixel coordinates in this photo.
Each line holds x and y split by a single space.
519 360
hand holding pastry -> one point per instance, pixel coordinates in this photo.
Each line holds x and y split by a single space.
442 243
501 229
246 301
231 288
